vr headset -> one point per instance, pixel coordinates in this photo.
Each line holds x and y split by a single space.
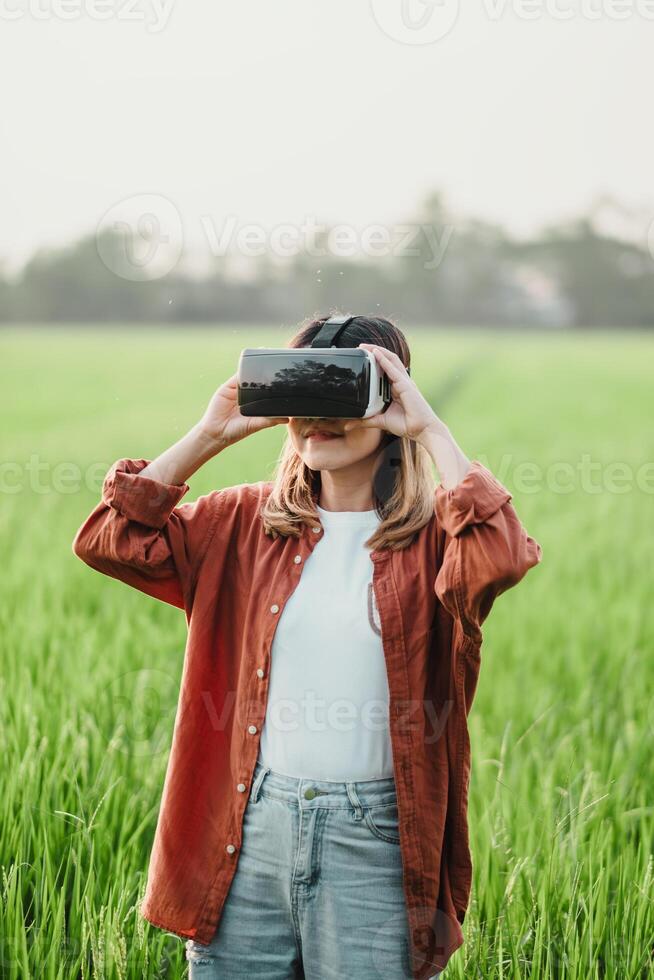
321 381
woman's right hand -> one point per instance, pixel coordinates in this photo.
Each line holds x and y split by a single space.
222 421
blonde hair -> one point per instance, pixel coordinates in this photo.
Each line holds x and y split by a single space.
403 485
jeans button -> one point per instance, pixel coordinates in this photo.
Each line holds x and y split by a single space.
309 793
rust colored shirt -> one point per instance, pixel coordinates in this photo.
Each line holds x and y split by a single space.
211 558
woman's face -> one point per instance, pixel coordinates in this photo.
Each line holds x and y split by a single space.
343 449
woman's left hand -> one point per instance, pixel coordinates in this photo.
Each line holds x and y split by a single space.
409 414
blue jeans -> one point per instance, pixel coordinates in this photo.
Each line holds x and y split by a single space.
317 892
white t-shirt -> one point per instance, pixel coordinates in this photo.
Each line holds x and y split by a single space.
327 711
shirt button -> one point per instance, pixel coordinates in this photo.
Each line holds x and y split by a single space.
230 848
274 608
259 672
297 559
252 729
241 787
316 530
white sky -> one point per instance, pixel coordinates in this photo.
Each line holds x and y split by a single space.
274 111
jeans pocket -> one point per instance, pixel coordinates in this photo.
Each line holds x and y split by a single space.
383 821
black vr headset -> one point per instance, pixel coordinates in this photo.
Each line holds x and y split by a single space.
321 381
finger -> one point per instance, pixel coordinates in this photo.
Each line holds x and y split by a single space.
398 377
382 350
389 360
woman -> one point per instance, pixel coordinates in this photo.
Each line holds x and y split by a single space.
313 819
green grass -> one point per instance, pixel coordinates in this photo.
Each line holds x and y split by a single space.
561 804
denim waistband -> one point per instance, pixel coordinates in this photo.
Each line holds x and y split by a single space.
309 793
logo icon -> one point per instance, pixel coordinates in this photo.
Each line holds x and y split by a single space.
140 238
415 21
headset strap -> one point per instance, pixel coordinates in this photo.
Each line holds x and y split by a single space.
331 330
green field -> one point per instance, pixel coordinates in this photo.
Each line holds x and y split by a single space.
562 791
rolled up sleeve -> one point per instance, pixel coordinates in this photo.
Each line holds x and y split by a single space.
139 498
486 549
140 534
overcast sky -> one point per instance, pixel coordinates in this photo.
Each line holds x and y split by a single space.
272 112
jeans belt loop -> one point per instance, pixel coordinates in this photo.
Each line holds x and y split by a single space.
256 786
354 800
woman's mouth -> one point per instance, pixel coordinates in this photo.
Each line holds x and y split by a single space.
322 436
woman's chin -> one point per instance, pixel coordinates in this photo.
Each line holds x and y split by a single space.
322 454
